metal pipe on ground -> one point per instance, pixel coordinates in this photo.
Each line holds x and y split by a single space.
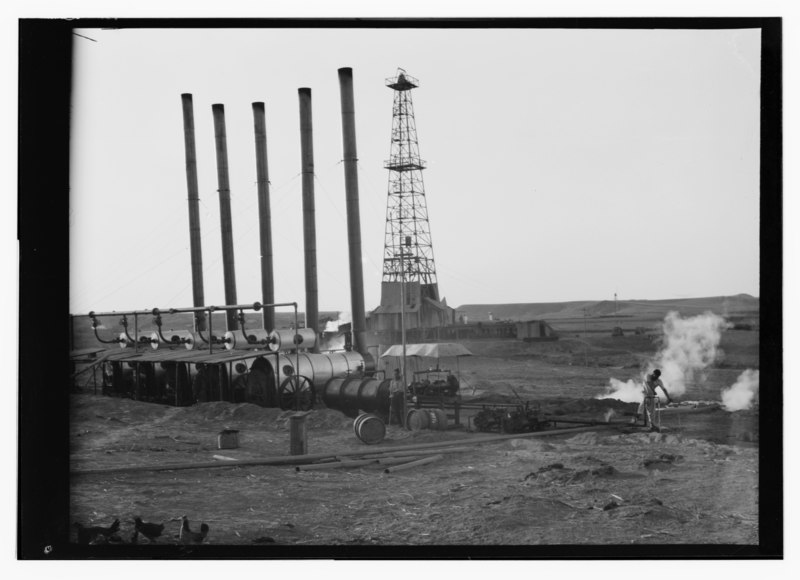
335 465
309 224
359 463
303 459
195 246
226 221
358 314
413 464
264 217
416 452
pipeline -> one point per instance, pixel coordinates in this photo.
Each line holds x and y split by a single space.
310 458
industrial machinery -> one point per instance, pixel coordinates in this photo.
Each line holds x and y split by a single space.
434 383
182 367
523 418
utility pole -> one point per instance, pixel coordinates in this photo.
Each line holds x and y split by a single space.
585 338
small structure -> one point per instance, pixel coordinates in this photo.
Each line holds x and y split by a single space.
532 330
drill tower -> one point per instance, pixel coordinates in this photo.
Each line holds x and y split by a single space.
408 250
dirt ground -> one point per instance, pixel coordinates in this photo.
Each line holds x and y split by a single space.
695 482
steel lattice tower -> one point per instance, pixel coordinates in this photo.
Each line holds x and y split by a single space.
407 227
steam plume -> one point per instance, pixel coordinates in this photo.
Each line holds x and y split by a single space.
333 325
629 392
740 395
690 345
332 340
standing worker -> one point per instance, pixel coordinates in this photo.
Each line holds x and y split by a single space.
397 392
648 403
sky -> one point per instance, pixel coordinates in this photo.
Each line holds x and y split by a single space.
106 284
561 164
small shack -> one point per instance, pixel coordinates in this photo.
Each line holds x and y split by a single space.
533 330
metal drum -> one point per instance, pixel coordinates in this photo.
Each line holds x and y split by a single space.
417 419
283 340
369 428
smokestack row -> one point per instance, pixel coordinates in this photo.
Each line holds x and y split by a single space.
309 224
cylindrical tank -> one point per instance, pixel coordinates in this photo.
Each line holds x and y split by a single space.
258 337
319 368
357 393
255 338
178 384
174 338
210 383
287 339
123 340
121 379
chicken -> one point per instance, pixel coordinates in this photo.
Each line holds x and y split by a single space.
88 534
148 530
187 536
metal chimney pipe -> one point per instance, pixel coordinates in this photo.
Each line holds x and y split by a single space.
195 247
358 314
264 218
309 225
225 214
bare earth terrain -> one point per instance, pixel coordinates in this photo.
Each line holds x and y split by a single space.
695 482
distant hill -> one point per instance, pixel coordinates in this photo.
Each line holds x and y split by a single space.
722 305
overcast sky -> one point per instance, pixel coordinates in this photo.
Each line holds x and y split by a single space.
562 164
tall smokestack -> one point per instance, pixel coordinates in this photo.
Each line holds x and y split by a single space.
359 323
264 218
225 213
194 210
309 226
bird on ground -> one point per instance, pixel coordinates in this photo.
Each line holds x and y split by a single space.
187 536
148 530
87 534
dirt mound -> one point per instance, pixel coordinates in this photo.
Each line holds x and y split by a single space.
590 406
317 419
90 407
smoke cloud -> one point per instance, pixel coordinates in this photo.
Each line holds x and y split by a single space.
333 325
331 339
628 392
689 345
740 396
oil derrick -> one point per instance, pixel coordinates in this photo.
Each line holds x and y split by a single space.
409 271
408 250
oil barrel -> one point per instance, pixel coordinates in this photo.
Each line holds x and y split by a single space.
369 428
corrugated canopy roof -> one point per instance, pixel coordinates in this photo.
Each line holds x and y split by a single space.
432 350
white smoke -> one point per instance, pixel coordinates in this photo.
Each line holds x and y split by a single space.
333 325
740 395
629 392
690 345
332 340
